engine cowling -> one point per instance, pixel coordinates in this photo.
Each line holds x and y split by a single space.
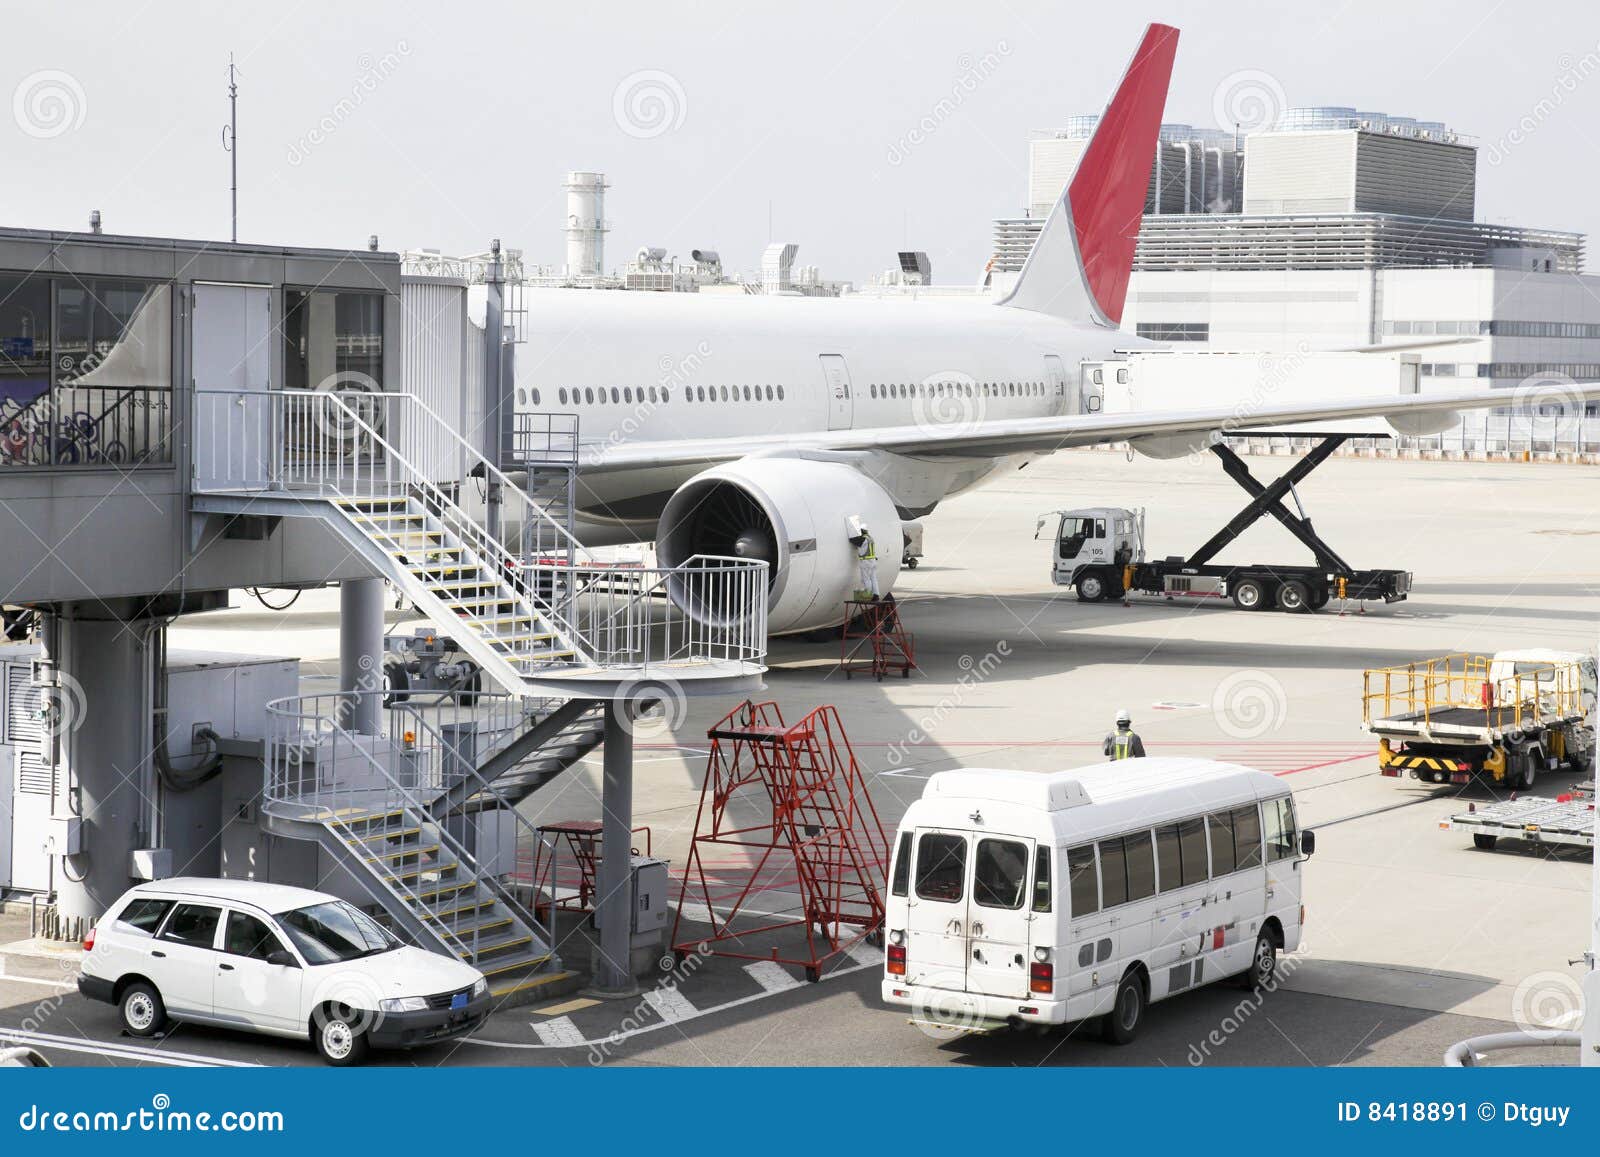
794 513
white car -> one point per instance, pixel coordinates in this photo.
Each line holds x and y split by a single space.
278 960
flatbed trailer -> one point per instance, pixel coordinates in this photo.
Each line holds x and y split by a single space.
1101 552
1502 718
1566 821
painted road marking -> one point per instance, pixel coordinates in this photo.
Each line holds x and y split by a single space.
119 1051
670 1004
567 1006
865 954
558 1033
772 976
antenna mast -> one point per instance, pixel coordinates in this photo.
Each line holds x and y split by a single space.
230 141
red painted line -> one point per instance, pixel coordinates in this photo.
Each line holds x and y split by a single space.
1324 763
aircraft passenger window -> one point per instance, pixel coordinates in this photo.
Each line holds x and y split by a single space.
724 393
1141 857
563 395
941 867
655 395
627 395
615 395
872 390
700 392
1222 861
746 393
1247 837
1084 881
780 393
1000 874
769 393
666 395
588 394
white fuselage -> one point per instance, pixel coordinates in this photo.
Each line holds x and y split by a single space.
643 367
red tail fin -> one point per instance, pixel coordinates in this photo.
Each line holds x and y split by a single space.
1105 199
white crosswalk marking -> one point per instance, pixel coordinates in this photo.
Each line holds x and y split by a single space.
670 1004
772 976
558 1031
863 953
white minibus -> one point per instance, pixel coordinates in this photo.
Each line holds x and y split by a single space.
1028 897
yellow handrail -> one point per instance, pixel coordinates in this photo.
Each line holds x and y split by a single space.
1521 698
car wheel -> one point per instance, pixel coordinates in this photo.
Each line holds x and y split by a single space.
1294 597
1263 968
1091 587
1121 1025
143 1013
340 1035
1249 594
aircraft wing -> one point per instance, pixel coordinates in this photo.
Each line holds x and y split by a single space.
969 435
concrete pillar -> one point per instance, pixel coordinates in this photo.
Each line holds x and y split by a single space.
614 897
361 652
97 714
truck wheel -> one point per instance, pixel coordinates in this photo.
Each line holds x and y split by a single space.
1249 594
1091 587
1483 842
1528 769
1295 597
396 681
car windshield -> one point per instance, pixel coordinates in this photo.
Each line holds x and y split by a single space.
334 932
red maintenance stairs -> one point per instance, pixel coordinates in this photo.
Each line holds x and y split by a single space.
784 809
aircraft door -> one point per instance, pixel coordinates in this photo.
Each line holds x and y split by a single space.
836 378
1091 387
1056 375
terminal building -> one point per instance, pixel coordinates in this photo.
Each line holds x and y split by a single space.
1349 229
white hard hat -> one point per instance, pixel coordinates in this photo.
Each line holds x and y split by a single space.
1123 716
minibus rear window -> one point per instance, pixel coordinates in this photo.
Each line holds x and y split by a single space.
941 866
1000 873
902 865
1041 880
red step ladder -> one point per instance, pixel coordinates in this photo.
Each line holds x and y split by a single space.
874 641
821 839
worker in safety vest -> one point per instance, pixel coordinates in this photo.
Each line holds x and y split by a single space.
867 560
1124 742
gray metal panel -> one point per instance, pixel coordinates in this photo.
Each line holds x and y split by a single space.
8 757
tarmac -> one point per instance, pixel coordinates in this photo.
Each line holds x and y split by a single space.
1414 939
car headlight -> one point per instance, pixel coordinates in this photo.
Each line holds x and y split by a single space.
481 987
404 1004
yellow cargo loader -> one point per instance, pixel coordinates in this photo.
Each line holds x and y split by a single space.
1504 718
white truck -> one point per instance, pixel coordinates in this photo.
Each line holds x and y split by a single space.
1503 718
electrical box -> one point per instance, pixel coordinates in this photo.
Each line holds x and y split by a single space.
150 863
649 897
63 836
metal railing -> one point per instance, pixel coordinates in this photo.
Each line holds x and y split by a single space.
708 608
84 426
1526 696
317 771
544 439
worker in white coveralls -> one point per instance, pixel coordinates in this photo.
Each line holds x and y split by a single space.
867 560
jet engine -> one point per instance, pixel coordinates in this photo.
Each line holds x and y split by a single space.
795 513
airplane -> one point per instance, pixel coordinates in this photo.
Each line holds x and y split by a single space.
767 426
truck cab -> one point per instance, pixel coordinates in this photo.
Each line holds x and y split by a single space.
1092 546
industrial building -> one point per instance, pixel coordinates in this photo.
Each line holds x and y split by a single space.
1354 229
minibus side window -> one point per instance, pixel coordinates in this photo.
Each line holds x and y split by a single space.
902 865
1169 857
1113 872
1281 844
1041 879
1141 856
1221 825
1192 842
941 866
1000 873
1084 880
1247 836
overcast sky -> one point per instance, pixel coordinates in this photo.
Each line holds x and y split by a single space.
861 128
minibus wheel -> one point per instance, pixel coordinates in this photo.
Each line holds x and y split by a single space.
1263 968
1122 1023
